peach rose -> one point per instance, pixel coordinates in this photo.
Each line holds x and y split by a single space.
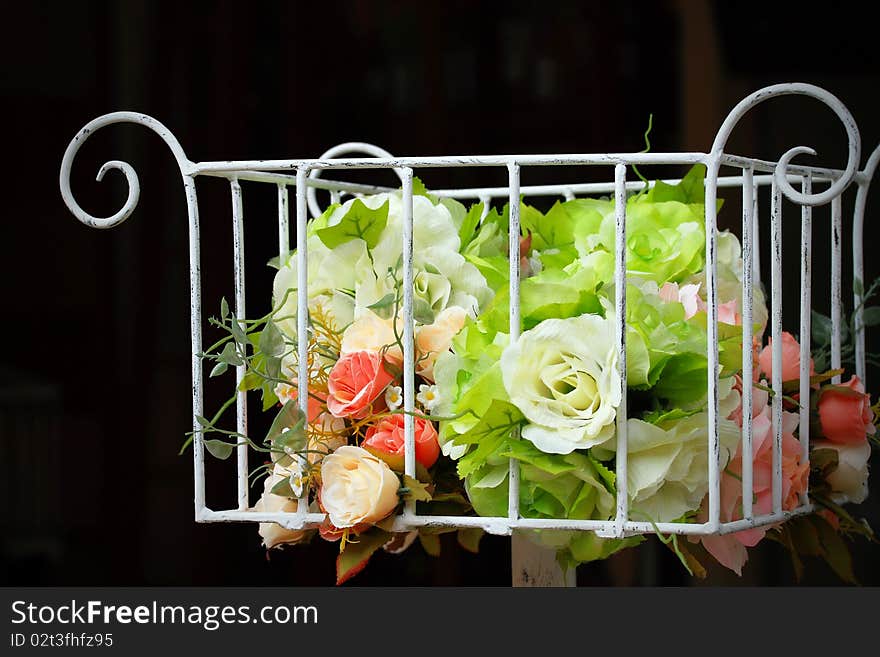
369 332
791 359
845 412
357 381
435 339
357 487
387 436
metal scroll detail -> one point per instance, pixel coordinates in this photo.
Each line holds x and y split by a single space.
782 167
195 277
134 188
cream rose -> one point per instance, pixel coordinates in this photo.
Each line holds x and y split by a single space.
563 376
357 487
849 482
272 533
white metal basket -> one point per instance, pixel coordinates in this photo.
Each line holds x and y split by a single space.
750 175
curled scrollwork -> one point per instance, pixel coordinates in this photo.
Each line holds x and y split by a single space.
126 169
781 171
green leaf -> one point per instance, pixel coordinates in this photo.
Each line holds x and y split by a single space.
419 189
688 190
469 538
218 369
203 421
384 302
357 553
431 543
360 222
820 329
836 553
288 422
422 311
237 332
230 355
283 488
271 341
224 308
469 225
413 489
871 316
219 448
250 381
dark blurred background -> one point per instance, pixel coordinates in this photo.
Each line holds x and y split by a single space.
94 376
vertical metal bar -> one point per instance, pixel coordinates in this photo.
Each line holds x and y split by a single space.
836 276
749 240
513 246
756 231
195 301
713 451
859 277
302 311
620 298
776 337
240 314
283 221
806 301
409 440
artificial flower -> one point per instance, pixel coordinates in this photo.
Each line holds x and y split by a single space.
388 436
436 338
791 359
393 397
849 480
272 533
563 376
357 488
356 382
428 396
845 413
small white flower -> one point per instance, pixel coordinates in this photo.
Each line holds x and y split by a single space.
393 397
294 475
428 396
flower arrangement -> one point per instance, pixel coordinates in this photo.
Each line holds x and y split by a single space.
550 399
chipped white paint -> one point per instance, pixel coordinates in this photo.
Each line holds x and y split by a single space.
304 176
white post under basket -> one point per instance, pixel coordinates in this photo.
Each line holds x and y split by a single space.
752 176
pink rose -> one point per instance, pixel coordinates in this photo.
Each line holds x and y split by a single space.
791 359
387 436
845 412
356 381
730 549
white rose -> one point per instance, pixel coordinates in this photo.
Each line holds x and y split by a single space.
563 376
272 533
357 487
668 464
849 482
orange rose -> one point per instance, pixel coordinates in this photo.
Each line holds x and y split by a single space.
356 381
387 436
845 412
791 359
